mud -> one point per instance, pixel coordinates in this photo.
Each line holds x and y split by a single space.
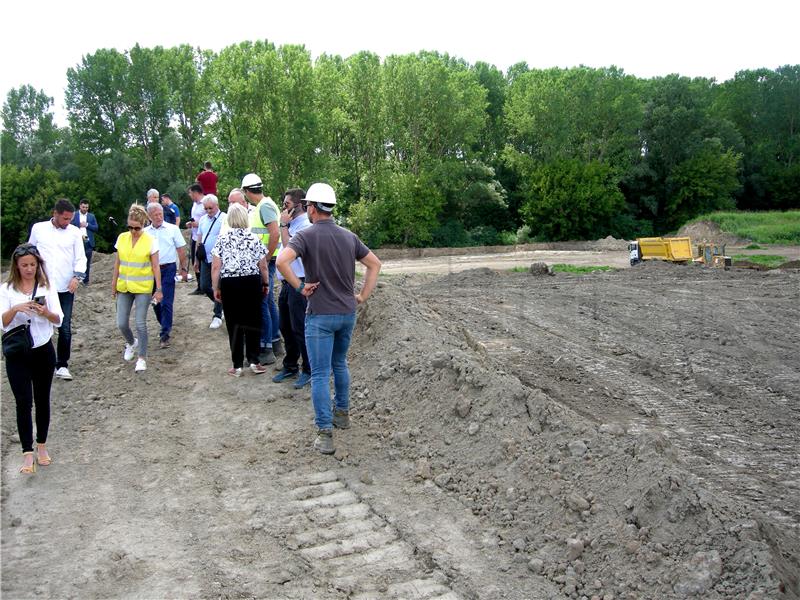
626 434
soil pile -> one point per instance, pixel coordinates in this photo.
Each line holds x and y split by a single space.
709 232
594 508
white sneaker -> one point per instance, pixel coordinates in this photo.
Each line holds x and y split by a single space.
189 277
216 323
130 349
63 373
141 365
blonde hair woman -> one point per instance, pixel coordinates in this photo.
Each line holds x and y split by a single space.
28 298
239 278
135 269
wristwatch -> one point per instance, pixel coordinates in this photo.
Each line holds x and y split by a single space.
283 225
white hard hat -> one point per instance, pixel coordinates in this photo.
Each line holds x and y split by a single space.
251 180
321 193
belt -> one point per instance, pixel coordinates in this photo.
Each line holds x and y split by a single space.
172 264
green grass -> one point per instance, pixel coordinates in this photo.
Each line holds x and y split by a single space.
561 268
754 247
771 227
767 260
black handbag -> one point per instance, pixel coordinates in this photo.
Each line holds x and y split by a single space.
18 342
201 249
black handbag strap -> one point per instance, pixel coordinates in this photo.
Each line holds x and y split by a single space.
208 233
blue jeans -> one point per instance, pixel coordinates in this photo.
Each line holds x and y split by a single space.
205 285
270 330
125 302
163 309
327 342
64 345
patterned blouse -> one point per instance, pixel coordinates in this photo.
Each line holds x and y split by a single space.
240 251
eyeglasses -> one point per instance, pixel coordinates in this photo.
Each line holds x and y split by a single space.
25 250
132 228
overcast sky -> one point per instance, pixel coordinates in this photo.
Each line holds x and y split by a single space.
41 40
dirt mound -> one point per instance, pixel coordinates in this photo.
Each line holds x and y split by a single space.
594 509
609 243
709 232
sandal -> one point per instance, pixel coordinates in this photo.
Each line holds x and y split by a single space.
43 461
28 469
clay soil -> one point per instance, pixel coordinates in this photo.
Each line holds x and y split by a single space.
623 434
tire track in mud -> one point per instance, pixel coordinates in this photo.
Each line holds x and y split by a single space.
675 392
342 538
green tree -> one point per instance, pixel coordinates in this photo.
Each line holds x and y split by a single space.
95 99
573 200
29 133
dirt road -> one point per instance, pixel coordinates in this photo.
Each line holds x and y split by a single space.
630 434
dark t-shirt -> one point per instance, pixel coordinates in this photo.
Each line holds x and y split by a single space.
208 181
329 254
171 212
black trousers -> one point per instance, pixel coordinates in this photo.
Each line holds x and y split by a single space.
292 313
30 379
241 301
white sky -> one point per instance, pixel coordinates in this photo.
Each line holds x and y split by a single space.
646 38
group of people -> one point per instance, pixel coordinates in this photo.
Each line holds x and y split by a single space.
237 256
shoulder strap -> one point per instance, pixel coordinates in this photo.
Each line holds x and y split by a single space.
208 233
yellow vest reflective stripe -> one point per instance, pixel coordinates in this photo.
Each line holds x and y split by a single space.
257 225
135 268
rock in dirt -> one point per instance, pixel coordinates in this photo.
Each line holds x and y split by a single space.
463 406
539 268
577 503
574 548
701 573
536 565
577 448
612 429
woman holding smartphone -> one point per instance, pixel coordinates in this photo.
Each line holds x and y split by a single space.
28 298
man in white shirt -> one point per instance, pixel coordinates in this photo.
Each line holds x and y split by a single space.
171 250
198 212
61 246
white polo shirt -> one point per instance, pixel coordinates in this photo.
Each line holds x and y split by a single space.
169 238
198 212
62 251
41 328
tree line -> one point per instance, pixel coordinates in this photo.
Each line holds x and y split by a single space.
423 149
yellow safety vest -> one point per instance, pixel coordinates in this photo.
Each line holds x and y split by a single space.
258 227
135 268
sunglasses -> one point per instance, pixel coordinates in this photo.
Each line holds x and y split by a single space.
132 228
25 250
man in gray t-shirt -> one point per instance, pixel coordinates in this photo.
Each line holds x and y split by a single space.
329 254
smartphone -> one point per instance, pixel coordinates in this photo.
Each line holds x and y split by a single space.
41 300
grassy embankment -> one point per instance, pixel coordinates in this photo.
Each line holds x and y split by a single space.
773 227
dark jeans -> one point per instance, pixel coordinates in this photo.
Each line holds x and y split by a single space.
292 309
88 250
270 323
64 345
241 299
163 309
205 285
30 379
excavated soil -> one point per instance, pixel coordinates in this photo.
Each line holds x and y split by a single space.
624 434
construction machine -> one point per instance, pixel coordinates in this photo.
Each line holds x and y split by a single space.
677 249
